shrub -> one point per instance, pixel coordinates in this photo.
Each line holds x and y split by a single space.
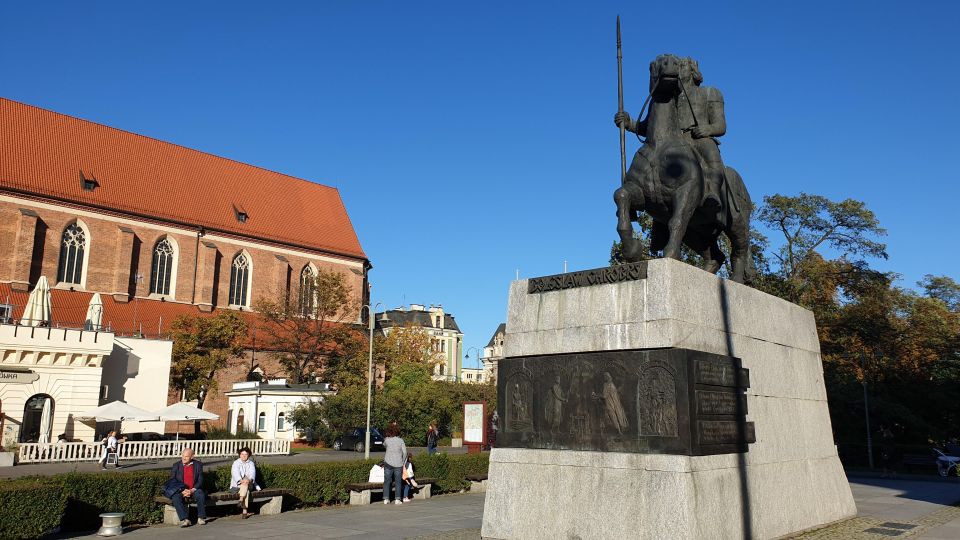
29 508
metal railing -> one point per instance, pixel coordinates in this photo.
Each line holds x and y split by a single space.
88 451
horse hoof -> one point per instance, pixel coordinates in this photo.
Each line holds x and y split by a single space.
632 252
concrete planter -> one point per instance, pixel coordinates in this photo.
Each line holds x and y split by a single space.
7 459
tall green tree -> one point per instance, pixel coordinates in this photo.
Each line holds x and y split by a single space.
202 346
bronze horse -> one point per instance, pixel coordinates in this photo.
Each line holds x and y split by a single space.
666 179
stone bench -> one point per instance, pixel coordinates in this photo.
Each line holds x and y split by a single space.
926 461
272 499
360 492
478 482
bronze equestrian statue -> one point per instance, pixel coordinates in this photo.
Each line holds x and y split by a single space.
677 176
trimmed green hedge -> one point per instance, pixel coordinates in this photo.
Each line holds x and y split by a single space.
75 500
29 508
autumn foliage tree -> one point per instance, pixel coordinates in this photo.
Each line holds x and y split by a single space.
202 346
313 329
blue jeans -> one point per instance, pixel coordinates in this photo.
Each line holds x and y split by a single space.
431 450
392 475
406 489
183 513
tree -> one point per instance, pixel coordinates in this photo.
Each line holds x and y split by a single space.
202 346
942 288
312 330
809 222
402 345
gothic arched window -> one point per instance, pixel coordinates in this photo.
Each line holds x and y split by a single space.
72 247
308 293
162 268
239 280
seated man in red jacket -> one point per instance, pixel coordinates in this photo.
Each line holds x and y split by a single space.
186 480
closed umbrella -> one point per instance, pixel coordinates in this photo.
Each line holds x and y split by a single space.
45 421
38 310
94 313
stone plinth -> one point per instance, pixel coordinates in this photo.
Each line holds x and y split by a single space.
789 480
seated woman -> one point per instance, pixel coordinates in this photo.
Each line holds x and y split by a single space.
409 482
243 479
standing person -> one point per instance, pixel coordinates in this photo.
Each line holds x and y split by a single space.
432 438
243 479
394 460
888 448
494 427
186 480
109 447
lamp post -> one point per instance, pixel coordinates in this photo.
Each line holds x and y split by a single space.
371 318
467 356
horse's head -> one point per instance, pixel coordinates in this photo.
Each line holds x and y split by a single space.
668 70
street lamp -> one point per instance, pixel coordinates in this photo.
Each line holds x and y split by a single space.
371 317
467 356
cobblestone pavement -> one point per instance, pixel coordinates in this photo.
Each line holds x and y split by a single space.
887 509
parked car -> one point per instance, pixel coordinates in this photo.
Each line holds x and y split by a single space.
354 439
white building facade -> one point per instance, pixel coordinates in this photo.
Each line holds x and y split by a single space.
49 376
265 408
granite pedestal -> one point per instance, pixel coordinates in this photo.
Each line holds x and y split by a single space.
789 480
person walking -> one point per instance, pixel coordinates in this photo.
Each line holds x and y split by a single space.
394 460
243 479
109 447
432 438
186 480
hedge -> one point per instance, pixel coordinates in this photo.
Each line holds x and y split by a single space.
75 500
29 508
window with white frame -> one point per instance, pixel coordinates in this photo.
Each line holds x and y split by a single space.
262 422
281 422
308 293
239 279
162 267
73 244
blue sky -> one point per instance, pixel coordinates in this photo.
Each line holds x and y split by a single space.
472 140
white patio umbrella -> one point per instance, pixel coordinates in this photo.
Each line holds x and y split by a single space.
38 310
184 412
94 313
45 419
117 411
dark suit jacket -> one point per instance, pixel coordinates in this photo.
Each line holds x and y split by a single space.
176 476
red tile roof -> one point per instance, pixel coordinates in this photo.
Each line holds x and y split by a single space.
44 153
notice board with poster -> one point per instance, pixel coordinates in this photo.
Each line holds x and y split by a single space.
474 434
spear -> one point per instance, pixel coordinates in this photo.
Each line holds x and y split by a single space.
623 131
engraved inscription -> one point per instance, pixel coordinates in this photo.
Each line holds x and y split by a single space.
714 402
724 432
717 372
585 278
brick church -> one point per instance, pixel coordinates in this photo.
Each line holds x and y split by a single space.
157 229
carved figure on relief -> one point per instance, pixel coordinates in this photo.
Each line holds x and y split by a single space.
519 407
614 415
554 406
657 402
580 420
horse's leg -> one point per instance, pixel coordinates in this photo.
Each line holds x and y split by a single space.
659 234
630 247
715 256
685 201
739 229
